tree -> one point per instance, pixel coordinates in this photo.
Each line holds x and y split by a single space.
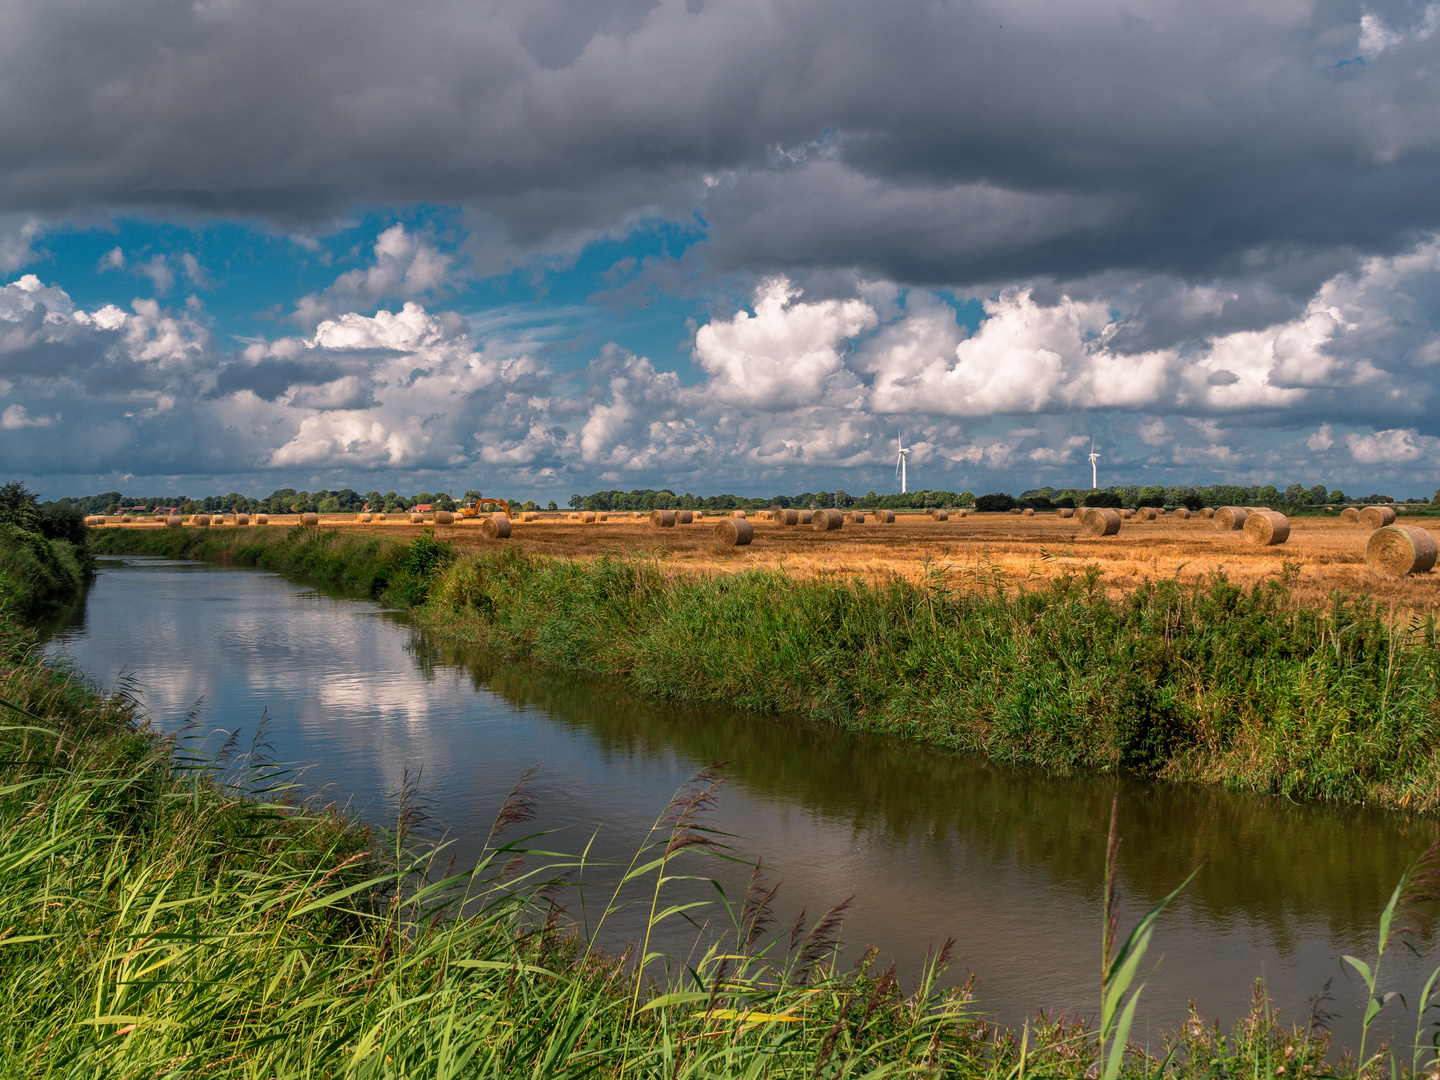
1192 501
551 505
1337 496
576 502
1103 498
1151 496
442 501
995 502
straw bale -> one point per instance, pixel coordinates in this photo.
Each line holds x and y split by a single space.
417 519
734 532
264 519
889 518
602 517
125 519
1231 518
529 515
737 513
1125 515
587 517
1207 512
494 526
1266 528
379 517
1065 512
806 516
961 513
1398 550
1100 521
444 517
1377 517
699 514
1029 511
827 520
310 520
244 519
859 517
173 521
788 517
662 519
940 515
1182 513
684 517
1013 510
200 519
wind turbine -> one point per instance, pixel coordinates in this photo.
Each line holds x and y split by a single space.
902 453
1094 457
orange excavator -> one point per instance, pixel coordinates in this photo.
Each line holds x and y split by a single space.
476 506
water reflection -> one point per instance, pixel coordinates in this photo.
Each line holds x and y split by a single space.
931 844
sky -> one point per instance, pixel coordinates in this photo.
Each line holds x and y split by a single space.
549 246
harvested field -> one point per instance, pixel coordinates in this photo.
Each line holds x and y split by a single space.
1327 553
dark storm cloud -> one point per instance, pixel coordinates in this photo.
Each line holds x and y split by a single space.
1040 138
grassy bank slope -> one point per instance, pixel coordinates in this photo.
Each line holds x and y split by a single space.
165 915
1205 681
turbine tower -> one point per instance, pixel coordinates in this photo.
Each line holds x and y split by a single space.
902 453
1094 476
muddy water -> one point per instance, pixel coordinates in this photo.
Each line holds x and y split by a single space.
930 845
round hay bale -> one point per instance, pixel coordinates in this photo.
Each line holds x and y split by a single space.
1182 513
444 517
244 519
1100 521
1377 517
1350 516
495 526
806 516
124 519
1013 510
890 517
366 518
940 515
827 520
1266 528
788 517
310 520
264 519
202 520
684 517
1230 518
379 517
859 517
1399 550
1207 512
417 519
1029 511
699 514
961 513
160 518
587 517
662 519
1125 515
173 521
529 515
734 532
1065 512
737 513
602 517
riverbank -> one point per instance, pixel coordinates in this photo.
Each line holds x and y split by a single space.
1207 682
169 915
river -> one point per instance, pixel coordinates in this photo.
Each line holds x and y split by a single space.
930 844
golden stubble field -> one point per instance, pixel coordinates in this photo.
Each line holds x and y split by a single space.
1330 555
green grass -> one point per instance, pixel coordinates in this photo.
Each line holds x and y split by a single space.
167 915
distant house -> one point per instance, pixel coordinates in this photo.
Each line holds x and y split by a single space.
422 508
